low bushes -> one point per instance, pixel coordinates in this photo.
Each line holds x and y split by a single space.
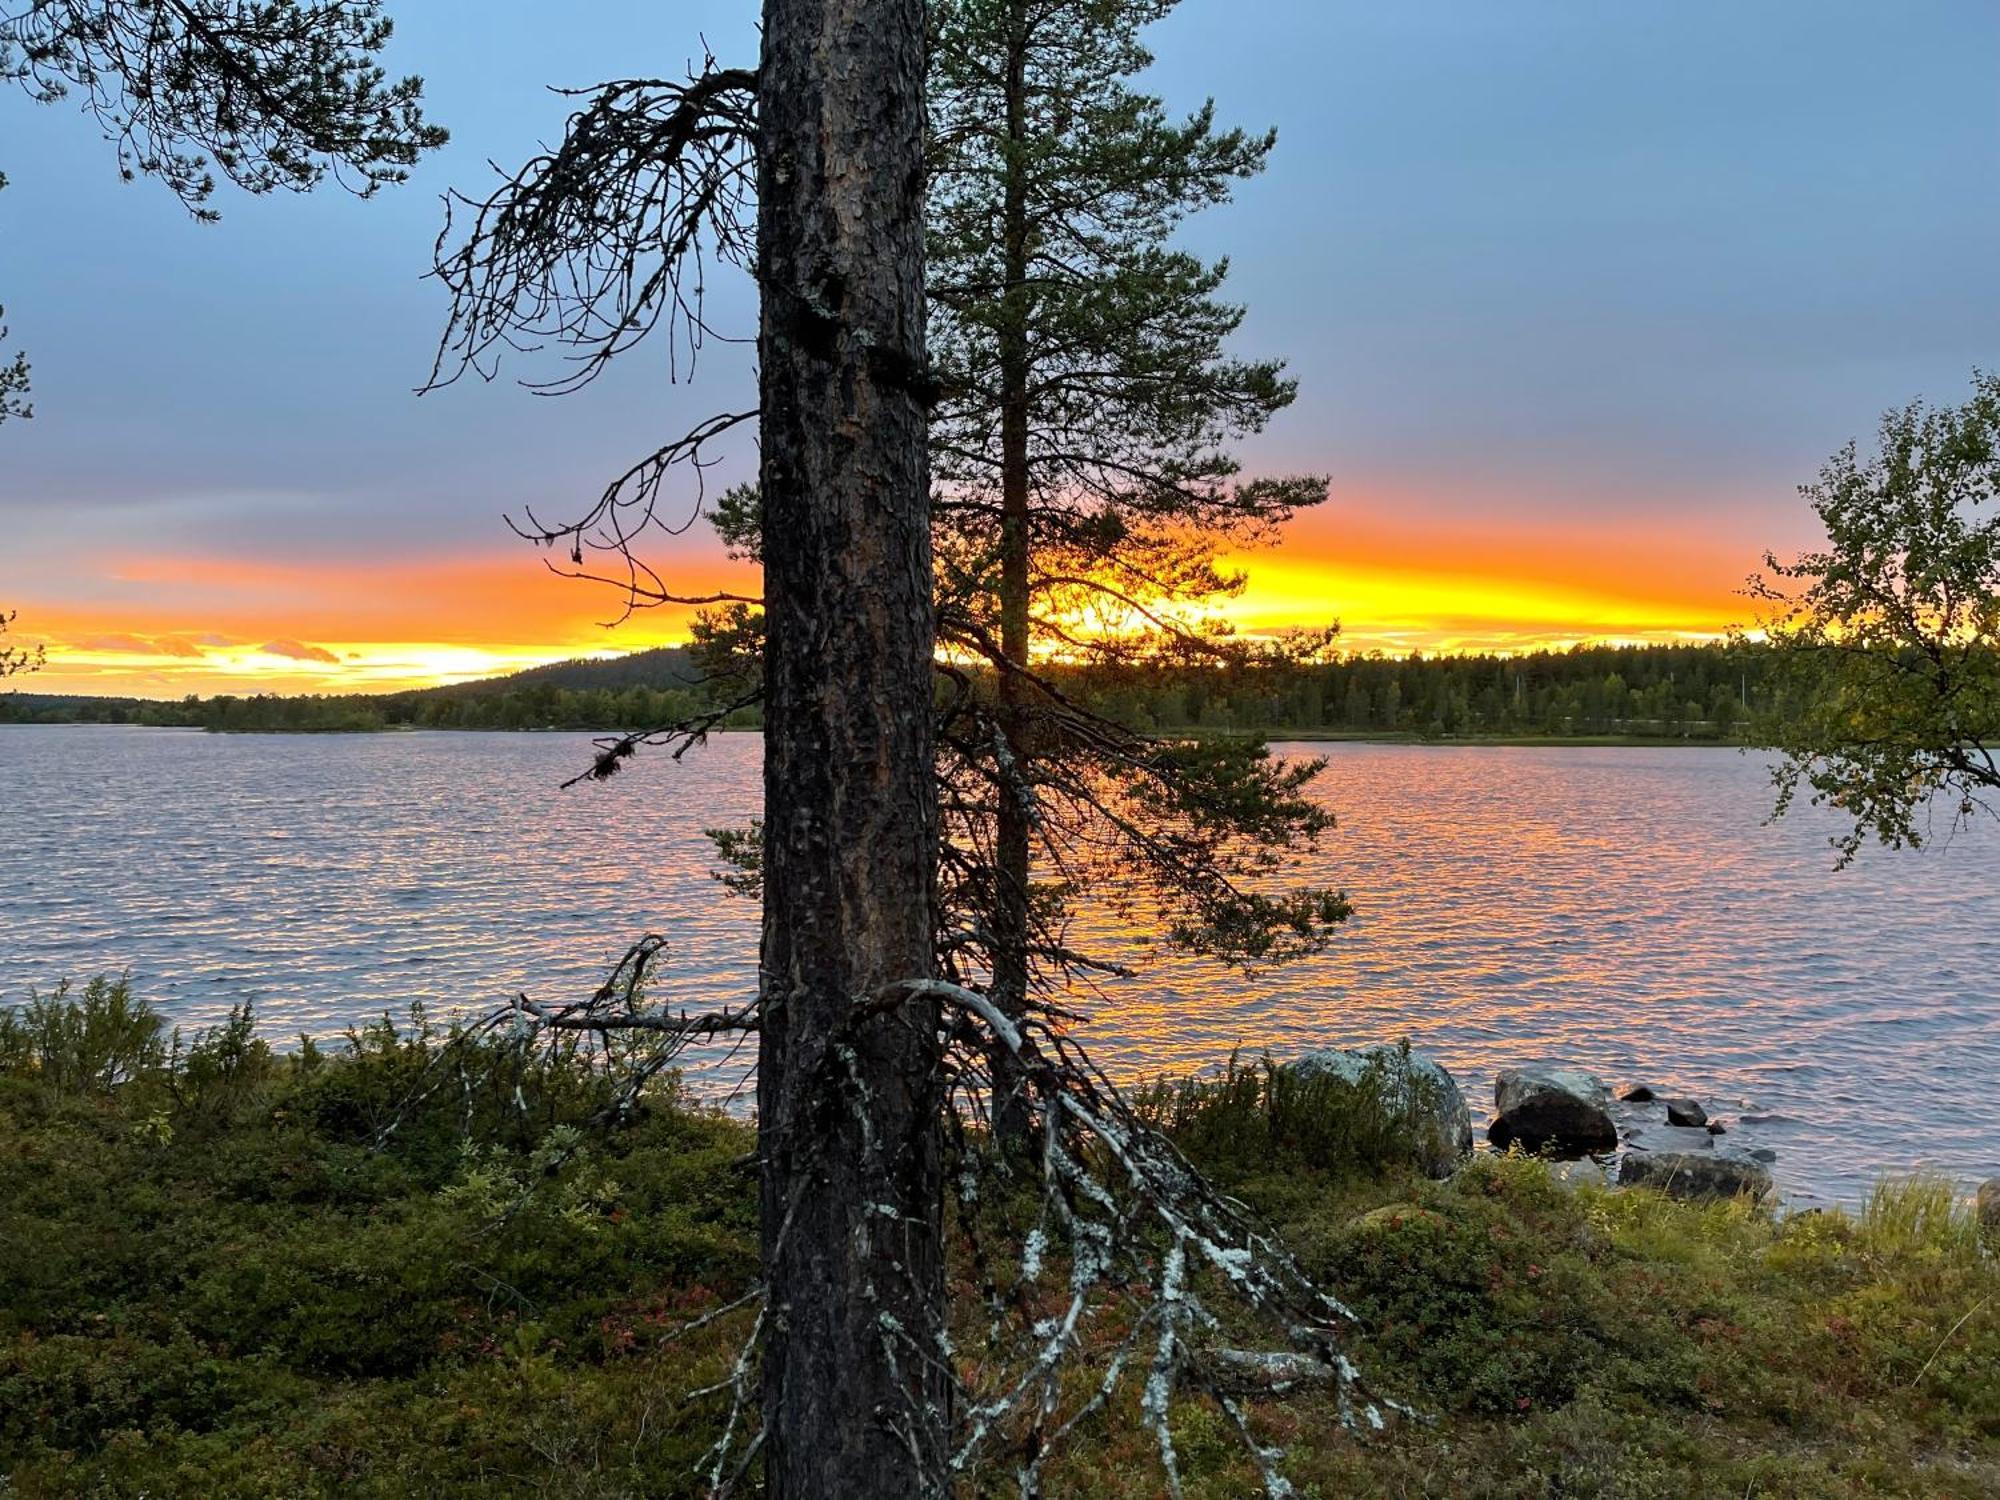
392 1267
1257 1114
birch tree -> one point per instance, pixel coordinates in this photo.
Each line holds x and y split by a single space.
1887 640
13 369
16 659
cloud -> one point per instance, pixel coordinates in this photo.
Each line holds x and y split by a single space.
299 651
133 645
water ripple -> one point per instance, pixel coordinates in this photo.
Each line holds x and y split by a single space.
1627 910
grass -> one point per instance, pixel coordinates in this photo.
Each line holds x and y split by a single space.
219 1277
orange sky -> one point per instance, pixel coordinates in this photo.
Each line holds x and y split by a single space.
168 626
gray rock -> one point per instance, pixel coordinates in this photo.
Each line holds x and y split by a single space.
1716 1127
1685 1112
1639 1094
1762 1153
1988 1208
1690 1175
1565 1111
1420 1084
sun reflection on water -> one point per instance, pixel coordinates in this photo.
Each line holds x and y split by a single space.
1625 910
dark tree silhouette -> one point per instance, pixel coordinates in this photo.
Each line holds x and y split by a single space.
856 1397
270 93
13 371
873 1076
1087 492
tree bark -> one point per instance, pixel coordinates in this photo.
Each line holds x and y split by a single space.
854 1396
1013 827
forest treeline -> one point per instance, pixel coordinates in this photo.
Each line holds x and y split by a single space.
1695 692
1706 691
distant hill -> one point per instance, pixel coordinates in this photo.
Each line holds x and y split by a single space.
662 667
638 688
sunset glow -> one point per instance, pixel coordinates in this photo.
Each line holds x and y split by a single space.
194 625
219 626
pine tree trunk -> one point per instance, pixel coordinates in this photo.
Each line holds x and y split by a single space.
1013 830
854 1403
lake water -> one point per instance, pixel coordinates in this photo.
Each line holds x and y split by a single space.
1624 910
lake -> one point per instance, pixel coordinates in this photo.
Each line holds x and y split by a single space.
1624 910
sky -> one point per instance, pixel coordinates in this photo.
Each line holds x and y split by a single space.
1576 295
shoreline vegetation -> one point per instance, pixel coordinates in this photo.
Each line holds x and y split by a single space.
1601 695
408 1264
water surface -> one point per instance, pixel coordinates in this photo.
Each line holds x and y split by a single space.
1625 910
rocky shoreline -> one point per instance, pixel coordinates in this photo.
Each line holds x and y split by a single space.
1640 1136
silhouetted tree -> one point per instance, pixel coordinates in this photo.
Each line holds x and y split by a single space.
1086 494
1889 638
869 1069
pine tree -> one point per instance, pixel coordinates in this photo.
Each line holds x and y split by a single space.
1087 496
850 1130
875 1063
1087 491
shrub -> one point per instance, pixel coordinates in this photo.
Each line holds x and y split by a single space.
1260 1117
87 1045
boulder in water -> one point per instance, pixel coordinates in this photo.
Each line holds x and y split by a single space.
1410 1081
1638 1094
1686 1112
1691 1175
1563 1110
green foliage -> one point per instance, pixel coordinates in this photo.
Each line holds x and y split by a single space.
13 382
271 93
398 1265
1057 185
14 659
87 1045
1704 693
13 394
542 706
1588 1341
1668 693
1889 639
